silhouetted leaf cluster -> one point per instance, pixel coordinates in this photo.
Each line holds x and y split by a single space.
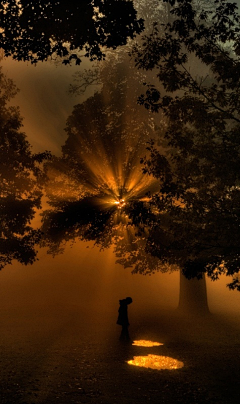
36 30
21 177
82 219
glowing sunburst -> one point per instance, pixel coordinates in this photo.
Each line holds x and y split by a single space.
120 203
97 189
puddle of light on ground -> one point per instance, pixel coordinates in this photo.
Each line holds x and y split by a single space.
146 343
156 362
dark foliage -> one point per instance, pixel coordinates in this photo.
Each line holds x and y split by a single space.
36 30
21 178
195 57
96 189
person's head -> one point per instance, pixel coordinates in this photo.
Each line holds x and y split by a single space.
126 301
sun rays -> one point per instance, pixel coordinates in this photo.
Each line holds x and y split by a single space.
100 173
89 203
97 187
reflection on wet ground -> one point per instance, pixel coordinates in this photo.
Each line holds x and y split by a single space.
146 343
156 362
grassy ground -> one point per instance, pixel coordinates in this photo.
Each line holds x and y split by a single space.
77 359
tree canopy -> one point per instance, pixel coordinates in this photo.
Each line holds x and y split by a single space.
21 178
36 30
96 189
195 57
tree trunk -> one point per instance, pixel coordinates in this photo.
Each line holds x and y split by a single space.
193 296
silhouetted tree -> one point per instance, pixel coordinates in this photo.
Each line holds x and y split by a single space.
21 177
97 184
39 29
195 57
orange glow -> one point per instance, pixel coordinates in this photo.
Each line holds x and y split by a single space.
146 343
106 181
104 166
156 362
120 204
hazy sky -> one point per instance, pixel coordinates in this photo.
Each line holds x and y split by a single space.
44 100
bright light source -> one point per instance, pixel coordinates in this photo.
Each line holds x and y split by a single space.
121 203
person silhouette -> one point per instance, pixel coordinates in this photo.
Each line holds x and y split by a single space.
123 318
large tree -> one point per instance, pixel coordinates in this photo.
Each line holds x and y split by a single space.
39 29
195 57
21 179
97 185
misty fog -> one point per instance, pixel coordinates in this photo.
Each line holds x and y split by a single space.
59 336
